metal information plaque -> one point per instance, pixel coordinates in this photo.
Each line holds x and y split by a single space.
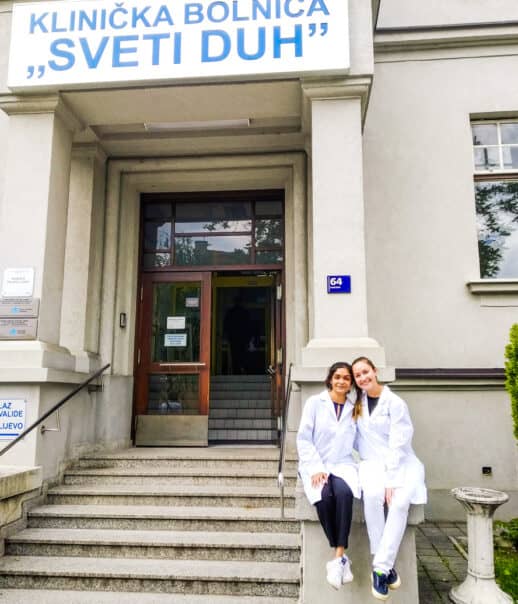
19 307
18 329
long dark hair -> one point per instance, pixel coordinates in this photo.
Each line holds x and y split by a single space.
357 411
333 369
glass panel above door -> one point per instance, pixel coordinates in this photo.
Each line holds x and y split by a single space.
233 228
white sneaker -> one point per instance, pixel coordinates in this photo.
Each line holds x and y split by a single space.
347 576
335 572
339 572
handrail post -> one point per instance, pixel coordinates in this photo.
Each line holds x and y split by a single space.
280 478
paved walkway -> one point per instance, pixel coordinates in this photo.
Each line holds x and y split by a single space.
440 564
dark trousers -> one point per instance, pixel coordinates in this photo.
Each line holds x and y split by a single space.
335 511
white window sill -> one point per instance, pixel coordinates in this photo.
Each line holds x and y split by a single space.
493 286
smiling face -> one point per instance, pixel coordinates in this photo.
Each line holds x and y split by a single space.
366 378
341 382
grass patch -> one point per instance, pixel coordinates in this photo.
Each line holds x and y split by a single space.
506 556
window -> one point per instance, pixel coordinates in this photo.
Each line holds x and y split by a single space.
495 150
218 230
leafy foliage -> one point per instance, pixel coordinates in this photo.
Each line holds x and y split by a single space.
511 374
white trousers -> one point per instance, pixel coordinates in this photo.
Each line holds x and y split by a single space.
385 534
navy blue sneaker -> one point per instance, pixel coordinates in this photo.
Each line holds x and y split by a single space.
380 585
393 579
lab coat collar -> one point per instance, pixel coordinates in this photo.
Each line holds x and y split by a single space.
385 394
325 397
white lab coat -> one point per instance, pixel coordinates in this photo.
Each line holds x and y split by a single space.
325 444
385 438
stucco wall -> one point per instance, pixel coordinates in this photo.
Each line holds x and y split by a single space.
407 13
5 37
420 211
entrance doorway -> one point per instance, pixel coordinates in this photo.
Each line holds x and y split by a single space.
209 339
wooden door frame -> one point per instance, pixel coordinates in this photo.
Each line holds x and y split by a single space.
143 334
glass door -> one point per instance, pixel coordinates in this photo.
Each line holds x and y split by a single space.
173 357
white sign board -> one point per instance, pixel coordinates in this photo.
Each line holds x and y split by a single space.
192 302
12 418
73 43
18 283
175 322
175 340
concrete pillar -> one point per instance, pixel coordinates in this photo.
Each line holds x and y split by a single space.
80 314
336 230
34 208
480 587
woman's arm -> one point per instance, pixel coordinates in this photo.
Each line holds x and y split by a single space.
309 457
400 437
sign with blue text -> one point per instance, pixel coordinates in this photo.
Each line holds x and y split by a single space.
12 418
72 43
338 284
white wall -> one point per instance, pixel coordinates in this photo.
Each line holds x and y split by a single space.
420 211
405 13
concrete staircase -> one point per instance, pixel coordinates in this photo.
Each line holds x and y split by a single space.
240 409
184 526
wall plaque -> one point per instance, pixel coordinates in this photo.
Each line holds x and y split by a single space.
19 307
18 329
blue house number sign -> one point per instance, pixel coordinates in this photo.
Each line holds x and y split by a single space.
339 284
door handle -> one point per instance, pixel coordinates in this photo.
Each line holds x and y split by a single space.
271 371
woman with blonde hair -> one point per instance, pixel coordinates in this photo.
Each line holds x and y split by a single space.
325 443
390 473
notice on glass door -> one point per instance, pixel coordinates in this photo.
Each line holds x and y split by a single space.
175 322
175 340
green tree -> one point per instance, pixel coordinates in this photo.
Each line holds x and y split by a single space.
511 374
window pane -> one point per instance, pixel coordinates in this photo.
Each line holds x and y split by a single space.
509 133
486 158
484 134
154 260
175 334
234 249
173 394
268 232
157 235
268 257
510 156
497 224
268 208
213 217
157 210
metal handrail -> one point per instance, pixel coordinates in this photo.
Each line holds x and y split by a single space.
282 453
55 408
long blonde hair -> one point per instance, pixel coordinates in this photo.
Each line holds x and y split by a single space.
357 411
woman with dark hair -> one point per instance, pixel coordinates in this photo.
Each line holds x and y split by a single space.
325 442
390 473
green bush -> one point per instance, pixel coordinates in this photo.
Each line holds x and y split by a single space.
511 374
506 556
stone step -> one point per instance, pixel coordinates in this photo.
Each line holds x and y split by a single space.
239 403
151 518
173 545
240 413
242 424
266 579
183 476
239 379
47 596
241 394
243 435
180 495
241 458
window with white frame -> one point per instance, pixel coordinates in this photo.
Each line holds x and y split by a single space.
495 152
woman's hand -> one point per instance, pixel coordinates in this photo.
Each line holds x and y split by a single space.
389 493
318 479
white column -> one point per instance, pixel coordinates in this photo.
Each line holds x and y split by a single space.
336 246
80 313
34 209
